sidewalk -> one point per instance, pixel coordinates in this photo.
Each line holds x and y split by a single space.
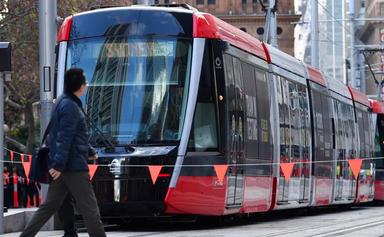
15 219
42 234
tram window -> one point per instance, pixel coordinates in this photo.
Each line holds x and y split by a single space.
252 145
295 120
327 128
360 123
203 135
366 135
263 108
380 141
284 121
319 133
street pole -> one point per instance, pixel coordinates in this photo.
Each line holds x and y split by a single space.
352 32
270 35
5 70
273 24
314 34
47 39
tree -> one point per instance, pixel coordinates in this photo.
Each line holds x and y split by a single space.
19 25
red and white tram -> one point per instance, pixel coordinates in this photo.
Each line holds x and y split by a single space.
378 110
175 87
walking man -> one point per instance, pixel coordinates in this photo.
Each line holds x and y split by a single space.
68 156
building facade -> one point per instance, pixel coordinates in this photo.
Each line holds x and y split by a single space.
334 38
245 14
372 35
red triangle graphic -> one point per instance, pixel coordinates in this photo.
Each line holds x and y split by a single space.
287 169
355 166
154 170
92 170
27 168
220 170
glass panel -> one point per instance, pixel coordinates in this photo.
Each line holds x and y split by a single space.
137 86
204 129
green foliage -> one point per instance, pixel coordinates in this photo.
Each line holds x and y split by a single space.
19 24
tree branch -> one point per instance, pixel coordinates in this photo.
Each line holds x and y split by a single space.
16 143
13 104
12 89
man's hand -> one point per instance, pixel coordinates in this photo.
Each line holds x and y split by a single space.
94 157
54 173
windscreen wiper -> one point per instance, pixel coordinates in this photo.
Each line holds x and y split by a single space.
108 143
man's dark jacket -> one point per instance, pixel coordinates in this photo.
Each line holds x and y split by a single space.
68 144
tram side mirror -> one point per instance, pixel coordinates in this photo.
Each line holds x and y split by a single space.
5 59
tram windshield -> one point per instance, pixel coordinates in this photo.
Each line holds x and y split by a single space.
137 87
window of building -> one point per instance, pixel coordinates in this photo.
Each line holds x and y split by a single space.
199 2
243 29
260 31
166 1
279 30
212 2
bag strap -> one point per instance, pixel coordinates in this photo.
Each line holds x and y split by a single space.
50 124
47 130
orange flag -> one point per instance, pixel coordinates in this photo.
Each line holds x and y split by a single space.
27 168
220 170
154 170
287 169
355 166
92 170
11 155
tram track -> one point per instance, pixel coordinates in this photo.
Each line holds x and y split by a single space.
348 226
365 221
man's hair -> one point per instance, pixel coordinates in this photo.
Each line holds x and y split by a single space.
73 79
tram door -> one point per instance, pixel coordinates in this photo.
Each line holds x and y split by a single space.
235 127
295 141
344 186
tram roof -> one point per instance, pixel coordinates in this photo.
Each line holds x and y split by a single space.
315 75
377 106
338 87
359 97
206 25
286 61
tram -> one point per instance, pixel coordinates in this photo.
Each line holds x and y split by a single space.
378 119
172 86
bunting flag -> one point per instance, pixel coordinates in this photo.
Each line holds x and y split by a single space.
11 154
29 158
287 169
22 157
220 170
154 170
355 166
27 168
92 170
